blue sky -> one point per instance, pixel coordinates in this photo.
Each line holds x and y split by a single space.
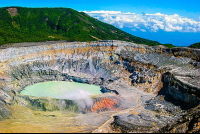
144 18
187 8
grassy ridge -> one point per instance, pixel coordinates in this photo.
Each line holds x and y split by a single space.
42 24
195 45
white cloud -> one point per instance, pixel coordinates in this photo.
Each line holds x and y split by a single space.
147 22
143 30
102 11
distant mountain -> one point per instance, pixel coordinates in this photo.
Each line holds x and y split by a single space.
195 45
20 24
178 39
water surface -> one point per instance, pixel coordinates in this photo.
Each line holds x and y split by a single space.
61 90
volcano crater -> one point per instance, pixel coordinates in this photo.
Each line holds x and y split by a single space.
148 88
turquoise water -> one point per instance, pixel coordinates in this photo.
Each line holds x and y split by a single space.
61 90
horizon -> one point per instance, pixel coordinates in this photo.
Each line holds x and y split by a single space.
172 22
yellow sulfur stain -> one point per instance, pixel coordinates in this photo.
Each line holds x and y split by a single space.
133 112
25 120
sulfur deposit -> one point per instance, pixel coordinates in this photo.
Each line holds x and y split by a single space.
144 89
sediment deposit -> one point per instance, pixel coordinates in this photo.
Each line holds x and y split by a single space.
145 89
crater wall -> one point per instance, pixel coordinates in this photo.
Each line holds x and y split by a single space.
119 67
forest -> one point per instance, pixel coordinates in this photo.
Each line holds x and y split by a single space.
47 24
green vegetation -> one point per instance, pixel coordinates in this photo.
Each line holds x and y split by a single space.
46 24
195 45
169 45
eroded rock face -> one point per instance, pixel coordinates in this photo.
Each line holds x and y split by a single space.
132 76
12 11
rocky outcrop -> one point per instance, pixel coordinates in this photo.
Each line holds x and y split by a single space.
12 11
182 91
154 81
186 52
188 123
177 121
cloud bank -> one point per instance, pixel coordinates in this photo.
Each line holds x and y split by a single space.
147 22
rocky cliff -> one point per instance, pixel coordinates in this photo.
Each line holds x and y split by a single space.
155 88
